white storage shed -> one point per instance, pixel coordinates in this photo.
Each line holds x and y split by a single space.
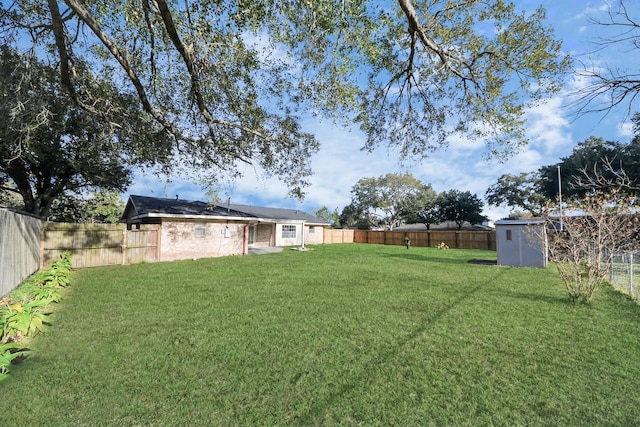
522 242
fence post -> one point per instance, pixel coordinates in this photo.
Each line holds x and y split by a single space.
631 274
43 237
124 246
611 262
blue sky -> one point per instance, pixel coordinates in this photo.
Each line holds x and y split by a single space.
552 129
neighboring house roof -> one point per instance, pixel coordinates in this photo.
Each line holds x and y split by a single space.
139 207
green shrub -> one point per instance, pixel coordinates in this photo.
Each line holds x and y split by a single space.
37 287
21 320
23 313
8 352
59 274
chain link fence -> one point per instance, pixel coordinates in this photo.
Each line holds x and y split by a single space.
624 273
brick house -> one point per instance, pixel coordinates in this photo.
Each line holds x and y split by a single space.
194 229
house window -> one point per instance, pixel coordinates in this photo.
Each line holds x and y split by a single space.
288 231
312 229
508 234
200 229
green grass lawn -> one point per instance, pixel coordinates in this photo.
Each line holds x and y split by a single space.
341 335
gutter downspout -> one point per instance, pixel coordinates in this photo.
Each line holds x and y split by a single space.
245 239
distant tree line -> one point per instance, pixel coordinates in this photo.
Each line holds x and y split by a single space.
395 199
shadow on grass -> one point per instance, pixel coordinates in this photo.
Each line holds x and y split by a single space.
422 257
394 349
564 300
483 261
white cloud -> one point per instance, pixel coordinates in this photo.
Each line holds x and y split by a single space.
591 11
625 129
527 160
547 128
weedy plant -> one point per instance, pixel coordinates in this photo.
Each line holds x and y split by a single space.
37 287
592 230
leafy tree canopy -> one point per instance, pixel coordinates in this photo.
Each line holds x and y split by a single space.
99 207
461 207
228 81
332 217
352 216
381 200
394 199
595 165
49 145
423 207
518 191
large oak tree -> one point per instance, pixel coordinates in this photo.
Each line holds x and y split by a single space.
460 207
50 146
229 81
519 191
382 201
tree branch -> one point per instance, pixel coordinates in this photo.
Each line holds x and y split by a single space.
84 15
416 27
596 180
57 26
189 61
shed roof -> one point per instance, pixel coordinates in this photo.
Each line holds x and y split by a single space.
524 221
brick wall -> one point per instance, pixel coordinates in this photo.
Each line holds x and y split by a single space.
179 240
264 235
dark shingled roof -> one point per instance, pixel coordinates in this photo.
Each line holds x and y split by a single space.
276 213
142 205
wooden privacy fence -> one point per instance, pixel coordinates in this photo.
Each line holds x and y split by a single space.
92 245
334 235
19 249
463 239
